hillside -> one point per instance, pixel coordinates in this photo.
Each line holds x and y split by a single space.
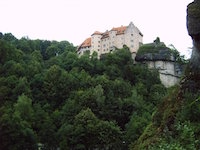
175 124
52 98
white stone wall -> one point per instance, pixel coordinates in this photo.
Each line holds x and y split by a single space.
105 45
83 50
120 40
96 43
133 38
112 35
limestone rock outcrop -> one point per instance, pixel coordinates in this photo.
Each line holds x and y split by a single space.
158 56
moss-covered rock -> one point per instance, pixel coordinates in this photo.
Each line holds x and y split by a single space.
154 51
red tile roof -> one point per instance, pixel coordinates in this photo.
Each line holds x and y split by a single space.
120 30
86 43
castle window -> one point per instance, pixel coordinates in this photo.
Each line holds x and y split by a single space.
131 34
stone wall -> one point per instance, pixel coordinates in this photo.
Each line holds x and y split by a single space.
96 43
133 38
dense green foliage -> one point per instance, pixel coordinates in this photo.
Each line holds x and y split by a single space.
51 97
175 125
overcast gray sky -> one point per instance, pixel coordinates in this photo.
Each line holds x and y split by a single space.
75 20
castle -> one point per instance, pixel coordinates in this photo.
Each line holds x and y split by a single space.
108 41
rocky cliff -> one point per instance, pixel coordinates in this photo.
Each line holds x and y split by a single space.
193 26
158 56
175 124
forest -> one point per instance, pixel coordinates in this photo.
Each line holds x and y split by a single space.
52 98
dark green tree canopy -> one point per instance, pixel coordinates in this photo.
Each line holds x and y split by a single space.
52 98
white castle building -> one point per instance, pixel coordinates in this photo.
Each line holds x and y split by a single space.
115 38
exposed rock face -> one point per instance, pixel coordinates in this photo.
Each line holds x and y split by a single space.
193 18
157 56
178 102
191 82
193 25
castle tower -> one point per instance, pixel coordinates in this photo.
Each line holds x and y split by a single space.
96 42
133 38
